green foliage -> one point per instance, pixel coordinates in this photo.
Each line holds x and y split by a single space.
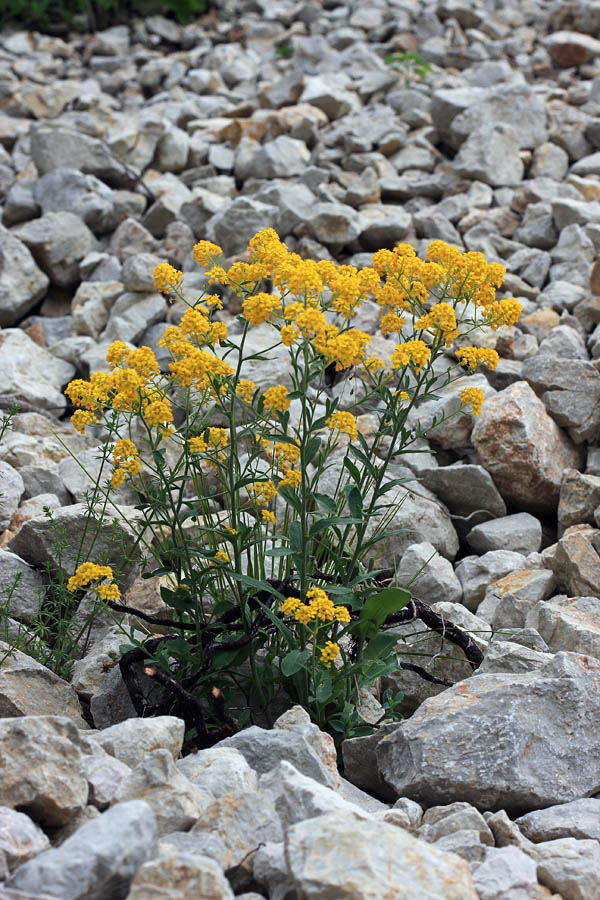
285 51
44 15
413 65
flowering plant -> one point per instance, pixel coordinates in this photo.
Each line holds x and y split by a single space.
268 510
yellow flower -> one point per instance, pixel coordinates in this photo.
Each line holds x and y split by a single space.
390 323
471 357
304 614
286 454
504 312
204 252
320 603
222 556
329 652
341 614
288 334
291 478
415 352
245 389
372 363
473 397
165 277
403 395
344 422
276 399
289 605
268 516
86 572
108 592
262 492
258 308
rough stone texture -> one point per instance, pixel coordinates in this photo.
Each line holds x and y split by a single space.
218 771
27 688
505 872
58 242
35 541
437 581
130 740
578 819
20 839
579 497
464 489
310 750
177 803
351 859
574 561
521 533
98 861
569 623
42 768
13 489
46 375
180 877
22 283
508 600
569 867
52 147
475 573
537 727
523 449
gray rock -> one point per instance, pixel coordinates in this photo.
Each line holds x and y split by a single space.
111 703
464 489
570 391
89 672
498 108
96 862
181 877
129 741
52 147
19 204
20 840
360 762
218 771
26 586
447 103
270 870
568 623
568 48
347 858
42 767
58 242
22 283
241 821
508 600
549 160
577 819
505 656
84 195
521 533
569 866
12 491
382 226
104 774
131 314
310 750
294 203
506 874
454 425
233 226
437 580
27 688
574 561
36 545
523 449
91 306
563 342
46 375
579 497
516 768
491 154
138 272
333 224
177 803
329 93
282 157
475 573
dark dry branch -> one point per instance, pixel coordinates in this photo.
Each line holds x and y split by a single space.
416 609
425 675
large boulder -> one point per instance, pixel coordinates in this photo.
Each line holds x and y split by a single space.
523 449
502 741
46 375
22 283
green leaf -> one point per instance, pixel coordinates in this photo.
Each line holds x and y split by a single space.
321 524
354 499
377 608
381 646
179 599
325 502
353 469
293 661
312 448
279 551
324 688
295 536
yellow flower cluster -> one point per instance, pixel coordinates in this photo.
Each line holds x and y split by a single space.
268 516
442 319
89 572
245 389
343 422
222 556
126 462
166 277
390 323
276 399
329 653
259 307
473 356
319 606
291 478
504 312
286 454
262 492
217 440
473 397
416 353
204 252
469 275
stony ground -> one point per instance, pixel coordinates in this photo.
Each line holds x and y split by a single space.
119 150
